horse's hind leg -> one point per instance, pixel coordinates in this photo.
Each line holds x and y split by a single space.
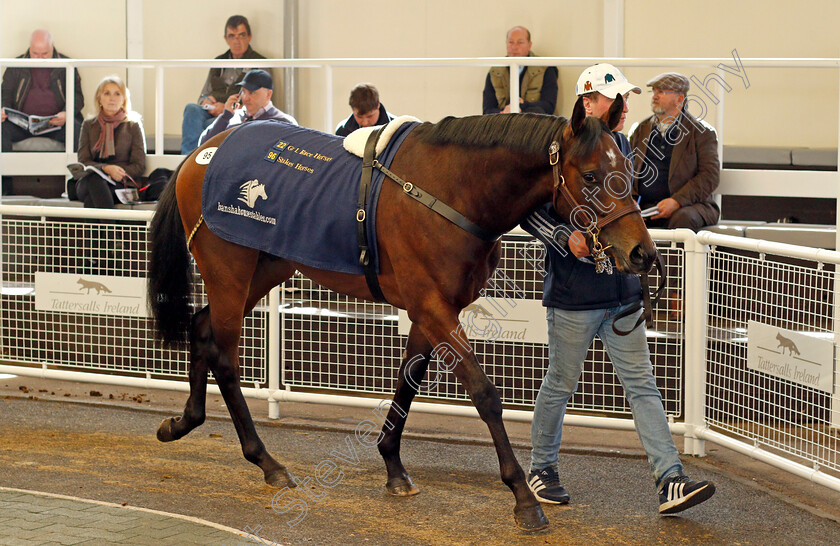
412 370
174 428
223 355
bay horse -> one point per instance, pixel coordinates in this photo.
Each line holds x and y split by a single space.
494 170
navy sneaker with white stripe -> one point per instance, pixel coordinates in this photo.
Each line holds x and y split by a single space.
546 486
677 493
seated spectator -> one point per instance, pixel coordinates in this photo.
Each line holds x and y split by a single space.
537 84
255 99
113 142
676 160
40 92
220 83
367 110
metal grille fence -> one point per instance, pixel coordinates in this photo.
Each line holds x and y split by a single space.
331 342
104 343
791 293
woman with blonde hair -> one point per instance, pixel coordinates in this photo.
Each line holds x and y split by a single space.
113 143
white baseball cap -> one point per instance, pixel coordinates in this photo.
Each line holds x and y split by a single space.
606 79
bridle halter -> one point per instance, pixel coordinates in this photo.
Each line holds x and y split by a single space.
602 261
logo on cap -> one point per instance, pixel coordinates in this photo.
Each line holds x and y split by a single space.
608 78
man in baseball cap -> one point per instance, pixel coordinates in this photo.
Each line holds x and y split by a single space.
581 302
676 159
599 85
252 102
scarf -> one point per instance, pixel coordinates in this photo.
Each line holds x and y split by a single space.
105 144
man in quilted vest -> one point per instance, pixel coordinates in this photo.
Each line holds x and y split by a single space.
537 84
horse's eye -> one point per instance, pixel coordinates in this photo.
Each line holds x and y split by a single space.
590 178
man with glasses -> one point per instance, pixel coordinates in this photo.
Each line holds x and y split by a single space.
221 83
675 160
40 92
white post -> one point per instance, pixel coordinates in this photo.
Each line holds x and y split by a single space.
514 89
134 50
719 112
834 420
273 351
159 110
328 99
613 28
70 113
695 313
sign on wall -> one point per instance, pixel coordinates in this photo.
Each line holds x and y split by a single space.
796 357
91 294
498 319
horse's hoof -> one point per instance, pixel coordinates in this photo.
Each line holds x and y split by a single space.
401 487
280 478
530 519
164 431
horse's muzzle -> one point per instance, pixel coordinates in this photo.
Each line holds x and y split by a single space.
642 257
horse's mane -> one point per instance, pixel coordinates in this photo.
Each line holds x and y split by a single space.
528 133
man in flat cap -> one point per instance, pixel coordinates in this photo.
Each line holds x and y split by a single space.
675 160
255 101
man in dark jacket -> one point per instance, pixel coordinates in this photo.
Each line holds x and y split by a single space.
220 83
40 92
255 98
367 110
582 303
676 160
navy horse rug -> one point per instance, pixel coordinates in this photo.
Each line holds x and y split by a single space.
292 192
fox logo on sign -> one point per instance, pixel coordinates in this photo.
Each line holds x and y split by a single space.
251 191
788 344
92 285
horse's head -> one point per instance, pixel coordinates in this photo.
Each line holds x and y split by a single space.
593 183
259 191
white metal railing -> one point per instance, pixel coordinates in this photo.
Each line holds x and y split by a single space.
309 344
733 181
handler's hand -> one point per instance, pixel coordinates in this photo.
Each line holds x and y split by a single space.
577 244
3 114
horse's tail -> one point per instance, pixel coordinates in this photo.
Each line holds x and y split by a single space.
169 268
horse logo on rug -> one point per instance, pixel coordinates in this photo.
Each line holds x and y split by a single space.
251 190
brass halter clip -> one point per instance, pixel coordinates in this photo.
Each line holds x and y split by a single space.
553 153
602 262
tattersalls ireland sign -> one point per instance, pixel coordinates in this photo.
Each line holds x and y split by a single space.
498 319
799 358
91 294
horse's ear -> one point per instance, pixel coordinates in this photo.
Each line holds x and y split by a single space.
578 116
613 116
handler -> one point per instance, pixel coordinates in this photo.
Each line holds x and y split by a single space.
581 304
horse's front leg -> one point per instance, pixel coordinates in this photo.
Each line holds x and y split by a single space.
412 370
174 428
452 347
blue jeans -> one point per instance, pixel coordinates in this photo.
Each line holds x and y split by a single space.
570 333
196 120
